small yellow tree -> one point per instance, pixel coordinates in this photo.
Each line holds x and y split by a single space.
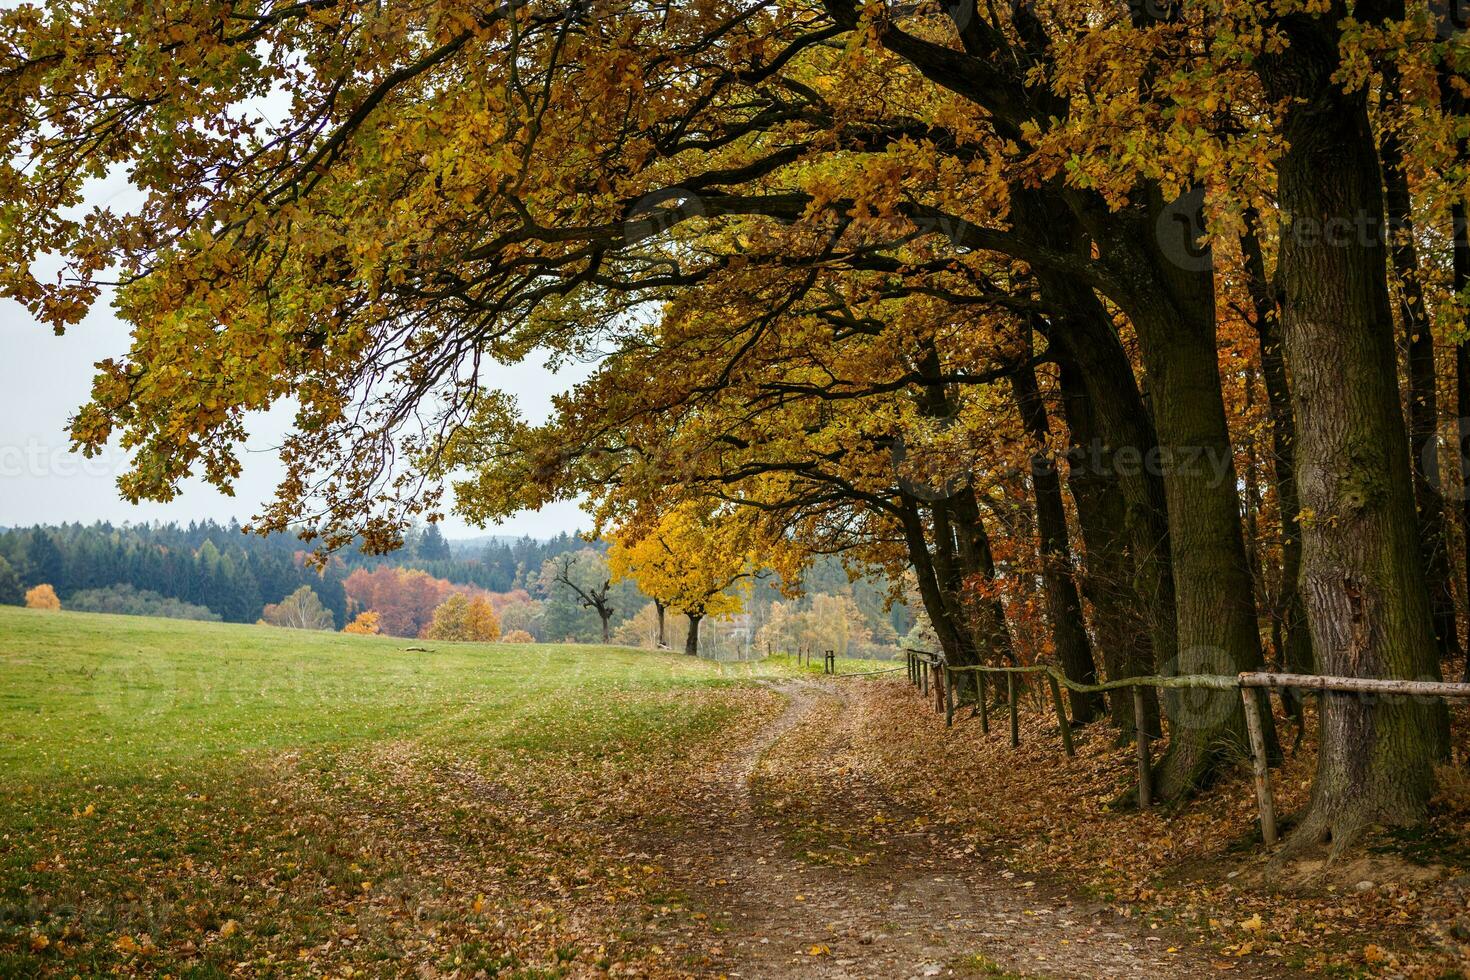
366 624
480 622
689 558
462 618
42 596
449 617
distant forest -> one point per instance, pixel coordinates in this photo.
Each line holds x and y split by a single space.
215 571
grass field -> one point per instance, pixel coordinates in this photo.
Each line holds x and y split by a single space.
185 798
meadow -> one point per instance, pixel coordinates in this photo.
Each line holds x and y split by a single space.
163 782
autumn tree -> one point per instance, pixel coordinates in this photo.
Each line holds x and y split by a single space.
404 599
480 621
364 624
802 296
688 558
42 596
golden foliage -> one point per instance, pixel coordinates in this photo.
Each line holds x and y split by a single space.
366 624
42 596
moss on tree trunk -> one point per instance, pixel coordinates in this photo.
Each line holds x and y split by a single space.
1362 581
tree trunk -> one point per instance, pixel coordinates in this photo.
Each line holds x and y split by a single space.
1064 607
1362 582
956 641
977 564
1295 647
1118 426
663 638
1462 385
1423 398
691 642
1455 103
1170 299
1118 618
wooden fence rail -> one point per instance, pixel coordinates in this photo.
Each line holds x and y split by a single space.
929 671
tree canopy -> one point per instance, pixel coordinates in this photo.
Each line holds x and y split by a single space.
868 272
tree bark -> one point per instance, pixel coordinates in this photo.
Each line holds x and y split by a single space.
1363 585
1119 620
663 640
1117 424
1295 648
956 641
1423 398
1171 302
1064 606
691 642
1455 103
1462 384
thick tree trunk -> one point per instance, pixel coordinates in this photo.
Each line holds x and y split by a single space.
1170 299
1423 398
606 618
1119 620
1063 605
956 641
1462 385
691 642
1120 433
1295 646
663 640
1362 582
1454 102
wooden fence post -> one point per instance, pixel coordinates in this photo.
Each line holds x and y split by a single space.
1145 776
924 676
1262 774
1015 720
1062 722
984 708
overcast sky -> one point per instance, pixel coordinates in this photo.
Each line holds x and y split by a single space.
45 378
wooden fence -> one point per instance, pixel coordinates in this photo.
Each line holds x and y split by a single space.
928 672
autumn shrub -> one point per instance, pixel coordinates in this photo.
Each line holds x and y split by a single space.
366 624
518 636
42 596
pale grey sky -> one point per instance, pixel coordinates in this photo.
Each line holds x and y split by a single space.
45 378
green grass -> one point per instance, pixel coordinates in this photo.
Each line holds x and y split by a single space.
154 773
95 696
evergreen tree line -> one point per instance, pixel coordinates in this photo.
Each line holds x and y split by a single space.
206 568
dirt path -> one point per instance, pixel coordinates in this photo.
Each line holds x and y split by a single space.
775 910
